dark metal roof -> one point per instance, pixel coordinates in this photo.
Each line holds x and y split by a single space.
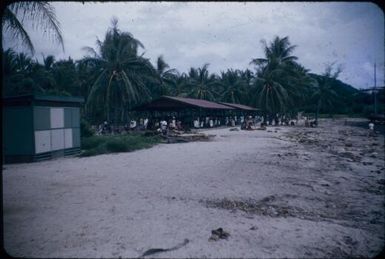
200 103
40 99
240 106
174 103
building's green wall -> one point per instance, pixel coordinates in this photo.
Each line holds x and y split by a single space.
76 137
75 117
68 117
18 133
41 118
71 117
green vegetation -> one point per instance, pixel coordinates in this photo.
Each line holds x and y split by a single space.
114 77
96 145
120 77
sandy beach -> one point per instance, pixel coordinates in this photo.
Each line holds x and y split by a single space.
284 192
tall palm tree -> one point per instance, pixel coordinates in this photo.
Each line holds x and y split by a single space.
178 84
234 86
165 76
38 14
201 84
122 74
273 92
20 74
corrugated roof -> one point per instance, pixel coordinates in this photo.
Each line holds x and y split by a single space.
240 106
170 103
199 103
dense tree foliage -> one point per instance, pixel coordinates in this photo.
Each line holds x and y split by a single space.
114 77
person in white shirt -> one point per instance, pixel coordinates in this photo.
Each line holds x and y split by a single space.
196 123
371 128
163 126
145 123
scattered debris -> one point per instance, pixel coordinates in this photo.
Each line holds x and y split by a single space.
234 129
159 250
178 138
217 234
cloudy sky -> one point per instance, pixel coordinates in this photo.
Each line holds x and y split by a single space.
228 35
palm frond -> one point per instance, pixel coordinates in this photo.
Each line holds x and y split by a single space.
13 25
40 15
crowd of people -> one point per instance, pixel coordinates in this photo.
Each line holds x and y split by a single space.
164 125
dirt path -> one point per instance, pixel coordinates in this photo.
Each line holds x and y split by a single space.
288 192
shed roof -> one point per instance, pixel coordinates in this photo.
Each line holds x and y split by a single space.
41 99
172 103
240 106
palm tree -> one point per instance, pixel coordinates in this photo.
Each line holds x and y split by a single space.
38 14
178 84
202 85
272 89
234 86
20 74
122 74
324 95
165 76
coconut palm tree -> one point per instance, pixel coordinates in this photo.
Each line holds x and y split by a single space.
38 14
234 86
201 84
272 89
178 84
122 74
21 74
165 76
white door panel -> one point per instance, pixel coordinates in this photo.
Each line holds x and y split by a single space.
42 141
68 138
57 139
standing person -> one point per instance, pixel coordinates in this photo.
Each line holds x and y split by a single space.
145 123
196 123
179 125
132 124
371 128
163 127
276 120
211 122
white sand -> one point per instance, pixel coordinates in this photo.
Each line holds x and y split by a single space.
120 205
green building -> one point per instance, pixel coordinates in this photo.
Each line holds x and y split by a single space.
40 127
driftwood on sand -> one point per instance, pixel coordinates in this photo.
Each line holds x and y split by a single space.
176 138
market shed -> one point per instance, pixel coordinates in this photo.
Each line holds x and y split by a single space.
170 103
40 127
240 107
186 109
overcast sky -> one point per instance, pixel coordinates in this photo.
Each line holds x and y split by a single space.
228 35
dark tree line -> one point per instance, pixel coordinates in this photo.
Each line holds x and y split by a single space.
115 76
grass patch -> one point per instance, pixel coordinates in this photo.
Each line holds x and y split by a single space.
96 145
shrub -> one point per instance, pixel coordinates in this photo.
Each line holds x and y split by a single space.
96 145
92 142
85 129
117 145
